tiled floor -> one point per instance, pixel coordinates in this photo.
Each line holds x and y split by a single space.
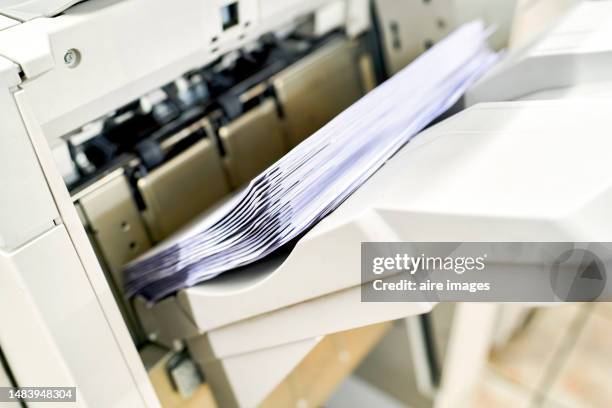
561 359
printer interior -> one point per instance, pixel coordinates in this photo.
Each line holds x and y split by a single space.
149 168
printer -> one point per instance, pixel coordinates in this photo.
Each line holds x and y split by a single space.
125 120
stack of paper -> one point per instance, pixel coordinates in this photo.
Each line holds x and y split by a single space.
317 175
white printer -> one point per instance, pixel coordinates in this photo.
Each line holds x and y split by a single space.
123 120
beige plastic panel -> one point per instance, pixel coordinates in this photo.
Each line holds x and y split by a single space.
252 143
316 89
182 188
368 75
115 222
409 28
117 232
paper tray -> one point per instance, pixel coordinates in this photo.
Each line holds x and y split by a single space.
461 180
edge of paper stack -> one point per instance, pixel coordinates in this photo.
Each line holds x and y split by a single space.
317 175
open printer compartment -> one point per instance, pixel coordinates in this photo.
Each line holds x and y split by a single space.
131 194
149 168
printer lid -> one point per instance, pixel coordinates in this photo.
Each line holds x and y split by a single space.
29 9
